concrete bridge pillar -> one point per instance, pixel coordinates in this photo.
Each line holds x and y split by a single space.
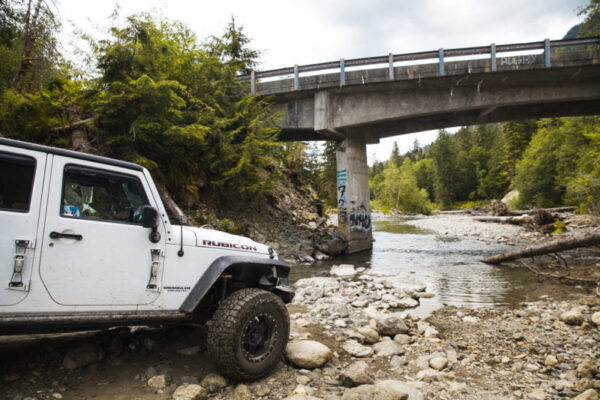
354 210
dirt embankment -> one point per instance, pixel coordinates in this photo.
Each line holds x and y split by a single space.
290 219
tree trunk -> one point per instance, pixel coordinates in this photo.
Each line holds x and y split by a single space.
29 37
170 205
541 249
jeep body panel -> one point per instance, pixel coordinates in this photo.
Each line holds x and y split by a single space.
83 270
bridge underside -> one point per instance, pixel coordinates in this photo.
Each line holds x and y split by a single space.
375 131
371 106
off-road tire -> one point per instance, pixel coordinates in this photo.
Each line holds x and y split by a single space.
228 333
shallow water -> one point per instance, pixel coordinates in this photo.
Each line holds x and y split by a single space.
449 266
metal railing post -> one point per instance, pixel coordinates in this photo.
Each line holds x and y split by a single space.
493 57
296 79
391 62
441 61
342 73
252 83
547 53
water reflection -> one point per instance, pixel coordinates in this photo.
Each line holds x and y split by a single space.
449 266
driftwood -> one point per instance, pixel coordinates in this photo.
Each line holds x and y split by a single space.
541 249
559 277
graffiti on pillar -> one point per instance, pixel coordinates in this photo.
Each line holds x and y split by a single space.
342 216
341 188
360 219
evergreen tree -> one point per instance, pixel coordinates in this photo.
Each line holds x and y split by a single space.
443 153
395 158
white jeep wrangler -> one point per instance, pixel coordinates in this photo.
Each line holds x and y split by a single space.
85 243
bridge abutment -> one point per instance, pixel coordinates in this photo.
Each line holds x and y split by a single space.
354 210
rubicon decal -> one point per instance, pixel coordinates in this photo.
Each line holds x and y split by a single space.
226 245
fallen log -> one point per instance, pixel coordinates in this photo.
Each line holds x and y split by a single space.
451 212
541 249
520 220
550 210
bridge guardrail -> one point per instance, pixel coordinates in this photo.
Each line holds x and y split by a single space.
547 45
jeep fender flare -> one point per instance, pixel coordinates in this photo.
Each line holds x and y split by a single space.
218 267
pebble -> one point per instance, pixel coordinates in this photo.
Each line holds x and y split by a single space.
83 356
589 394
356 349
370 335
391 326
596 318
213 382
438 363
550 361
242 392
189 351
157 382
572 317
190 392
387 348
357 373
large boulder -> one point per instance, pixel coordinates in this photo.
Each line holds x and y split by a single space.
401 387
307 354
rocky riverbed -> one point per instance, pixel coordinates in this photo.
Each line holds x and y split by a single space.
355 334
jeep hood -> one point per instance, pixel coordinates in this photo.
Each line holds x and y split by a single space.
209 238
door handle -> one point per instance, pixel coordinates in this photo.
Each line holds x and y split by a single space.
57 235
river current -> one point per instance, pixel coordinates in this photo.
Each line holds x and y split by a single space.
449 266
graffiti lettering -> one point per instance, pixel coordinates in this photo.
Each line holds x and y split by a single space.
341 188
342 216
360 219
517 60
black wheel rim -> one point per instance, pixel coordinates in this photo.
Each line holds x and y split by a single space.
258 337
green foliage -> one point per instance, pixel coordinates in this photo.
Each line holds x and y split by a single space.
591 22
559 226
164 100
399 189
551 161
232 49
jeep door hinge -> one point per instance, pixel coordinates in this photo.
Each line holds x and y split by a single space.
154 266
16 281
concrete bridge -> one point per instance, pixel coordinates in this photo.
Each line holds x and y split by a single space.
361 106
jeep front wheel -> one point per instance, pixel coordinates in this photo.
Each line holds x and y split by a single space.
248 334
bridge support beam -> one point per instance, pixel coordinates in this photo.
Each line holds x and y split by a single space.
354 210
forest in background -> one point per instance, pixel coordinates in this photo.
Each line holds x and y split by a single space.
158 96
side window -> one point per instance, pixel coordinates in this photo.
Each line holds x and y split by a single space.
16 182
89 193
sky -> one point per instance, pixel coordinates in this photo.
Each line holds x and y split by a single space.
289 32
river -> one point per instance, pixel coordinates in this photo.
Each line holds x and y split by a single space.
448 265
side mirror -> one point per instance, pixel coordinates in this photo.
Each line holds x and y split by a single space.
150 217
150 220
